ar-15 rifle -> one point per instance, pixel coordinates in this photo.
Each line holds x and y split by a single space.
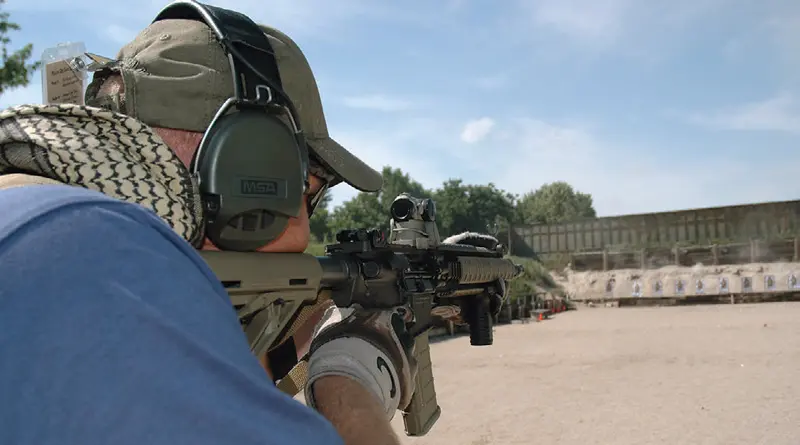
411 268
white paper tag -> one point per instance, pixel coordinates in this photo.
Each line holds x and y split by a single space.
64 74
64 84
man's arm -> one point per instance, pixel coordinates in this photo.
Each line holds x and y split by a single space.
115 331
353 411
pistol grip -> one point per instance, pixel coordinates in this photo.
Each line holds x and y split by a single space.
423 411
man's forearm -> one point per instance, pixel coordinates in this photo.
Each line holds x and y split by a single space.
354 412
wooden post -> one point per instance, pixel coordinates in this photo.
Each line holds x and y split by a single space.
677 254
715 254
605 260
643 259
796 249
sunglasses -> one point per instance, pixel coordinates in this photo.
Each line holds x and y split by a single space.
316 169
316 198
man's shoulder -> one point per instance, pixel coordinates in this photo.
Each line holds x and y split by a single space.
121 334
81 213
23 205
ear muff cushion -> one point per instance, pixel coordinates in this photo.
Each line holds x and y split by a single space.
251 177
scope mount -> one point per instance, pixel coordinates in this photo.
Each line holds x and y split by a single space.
357 241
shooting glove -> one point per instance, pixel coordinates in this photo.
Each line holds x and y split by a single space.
371 347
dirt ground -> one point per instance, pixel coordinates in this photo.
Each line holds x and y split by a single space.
724 375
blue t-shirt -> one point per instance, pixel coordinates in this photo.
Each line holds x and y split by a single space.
113 331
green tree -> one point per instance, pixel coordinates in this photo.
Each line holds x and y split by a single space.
396 182
362 211
553 203
371 210
459 207
475 208
16 70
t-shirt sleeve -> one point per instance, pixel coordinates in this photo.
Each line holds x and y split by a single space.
114 331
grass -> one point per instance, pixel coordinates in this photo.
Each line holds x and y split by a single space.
535 279
316 249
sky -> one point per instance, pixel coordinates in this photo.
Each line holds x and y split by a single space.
648 105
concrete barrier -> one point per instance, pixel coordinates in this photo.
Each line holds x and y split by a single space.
637 283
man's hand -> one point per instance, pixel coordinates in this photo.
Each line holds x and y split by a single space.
371 347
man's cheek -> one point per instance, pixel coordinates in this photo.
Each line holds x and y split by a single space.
294 239
208 245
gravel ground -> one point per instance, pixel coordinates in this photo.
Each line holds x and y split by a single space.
724 375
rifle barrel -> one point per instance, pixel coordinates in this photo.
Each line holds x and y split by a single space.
337 271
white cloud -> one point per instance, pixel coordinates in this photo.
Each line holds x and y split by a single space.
476 130
378 102
780 113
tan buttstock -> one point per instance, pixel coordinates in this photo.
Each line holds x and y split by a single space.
276 284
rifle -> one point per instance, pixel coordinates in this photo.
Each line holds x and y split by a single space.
411 268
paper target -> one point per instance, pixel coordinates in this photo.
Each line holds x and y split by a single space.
610 286
637 289
792 282
679 287
747 284
698 287
769 282
723 285
658 288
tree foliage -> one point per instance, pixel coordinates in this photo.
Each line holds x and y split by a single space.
535 279
459 206
475 208
16 70
553 203
371 210
363 211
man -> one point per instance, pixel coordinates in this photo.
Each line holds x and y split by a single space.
114 329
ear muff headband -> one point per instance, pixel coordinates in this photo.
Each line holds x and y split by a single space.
252 168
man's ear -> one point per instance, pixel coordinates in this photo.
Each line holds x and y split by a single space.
113 84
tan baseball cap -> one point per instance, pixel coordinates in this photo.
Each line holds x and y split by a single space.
177 75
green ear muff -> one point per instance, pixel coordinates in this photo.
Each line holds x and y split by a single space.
252 168
248 165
